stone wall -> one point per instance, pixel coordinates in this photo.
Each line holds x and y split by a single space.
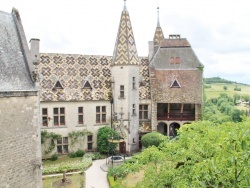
19 142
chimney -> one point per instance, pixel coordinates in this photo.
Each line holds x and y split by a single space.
34 50
150 50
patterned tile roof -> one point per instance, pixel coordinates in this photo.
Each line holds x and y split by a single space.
125 52
14 72
144 91
74 71
158 37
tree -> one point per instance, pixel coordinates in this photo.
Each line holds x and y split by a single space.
205 155
225 88
103 135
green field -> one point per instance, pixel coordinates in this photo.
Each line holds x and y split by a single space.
217 88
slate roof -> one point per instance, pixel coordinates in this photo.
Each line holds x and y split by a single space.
14 71
176 54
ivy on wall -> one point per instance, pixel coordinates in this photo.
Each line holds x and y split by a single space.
48 141
77 137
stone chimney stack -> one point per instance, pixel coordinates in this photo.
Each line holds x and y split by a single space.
34 50
35 56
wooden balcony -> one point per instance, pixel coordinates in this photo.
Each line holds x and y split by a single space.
176 116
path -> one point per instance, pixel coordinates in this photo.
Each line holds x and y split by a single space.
95 177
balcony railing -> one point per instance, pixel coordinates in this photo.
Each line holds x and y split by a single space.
176 116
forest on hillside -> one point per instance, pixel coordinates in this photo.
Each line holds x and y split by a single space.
219 80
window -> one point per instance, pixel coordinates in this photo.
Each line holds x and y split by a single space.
44 116
101 114
58 85
171 60
177 60
90 142
133 110
62 145
59 116
121 91
133 83
87 85
175 84
80 115
143 112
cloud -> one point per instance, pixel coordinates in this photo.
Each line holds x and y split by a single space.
217 30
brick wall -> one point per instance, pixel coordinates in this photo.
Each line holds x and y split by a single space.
19 142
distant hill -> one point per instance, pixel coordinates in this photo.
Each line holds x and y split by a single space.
218 80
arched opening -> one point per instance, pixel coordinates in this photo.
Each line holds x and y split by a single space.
162 128
173 128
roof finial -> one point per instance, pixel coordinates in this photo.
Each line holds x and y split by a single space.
158 17
125 6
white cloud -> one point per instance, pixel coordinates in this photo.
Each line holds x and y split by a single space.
217 30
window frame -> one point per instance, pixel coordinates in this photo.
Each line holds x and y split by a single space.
133 110
101 115
133 83
90 142
81 115
62 143
143 111
59 118
45 117
122 92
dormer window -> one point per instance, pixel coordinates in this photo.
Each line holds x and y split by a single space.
171 60
175 84
177 60
57 85
87 85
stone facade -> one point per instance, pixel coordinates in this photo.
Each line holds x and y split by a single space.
20 155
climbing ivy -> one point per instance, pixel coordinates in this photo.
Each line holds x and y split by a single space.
49 137
76 135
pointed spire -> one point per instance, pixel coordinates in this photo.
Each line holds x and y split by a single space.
125 52
125 6
159 36
158 17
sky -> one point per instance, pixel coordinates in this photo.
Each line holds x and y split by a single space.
218 30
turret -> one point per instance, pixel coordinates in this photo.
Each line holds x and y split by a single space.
125 73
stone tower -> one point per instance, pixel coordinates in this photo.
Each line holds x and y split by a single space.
176 82
125 89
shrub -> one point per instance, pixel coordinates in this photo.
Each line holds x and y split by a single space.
72 155
79 153
96 156
153 139
237 89
131 161
54 157
69 166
